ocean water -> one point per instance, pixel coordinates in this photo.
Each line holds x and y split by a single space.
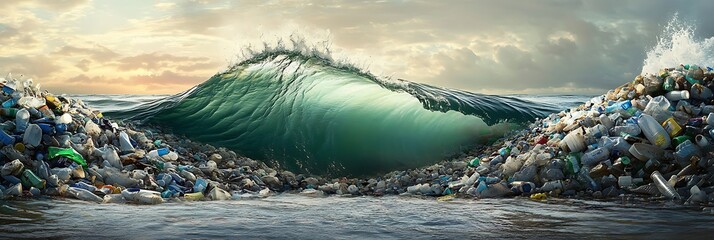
290 216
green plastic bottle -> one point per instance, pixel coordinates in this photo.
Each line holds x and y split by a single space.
668 84
29 179
573 163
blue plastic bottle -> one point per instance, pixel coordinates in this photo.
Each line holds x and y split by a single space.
6 139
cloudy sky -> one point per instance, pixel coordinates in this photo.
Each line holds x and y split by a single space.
158 47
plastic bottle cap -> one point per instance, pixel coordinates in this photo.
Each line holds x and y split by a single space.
20 147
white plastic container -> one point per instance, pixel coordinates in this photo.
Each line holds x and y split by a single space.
644 151
677 95
654 131
658 108
574 141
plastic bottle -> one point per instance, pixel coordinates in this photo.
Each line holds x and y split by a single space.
8 112
572 163
193 196
53 102
84 194
677 95
218 194
664 189
157 153
606 121
46 112
472 179
701 92
15 190
653 131
21 120
32 136
84 185
629 129
30 102
584 176
110 155
685 151
622 107
125 143
594 157
669 83
9 103
596 132
150 198
6 139
658 108
141 196
47 129
615 144
552 185
62 173
504 151
519 187
31 180
9 88
200 185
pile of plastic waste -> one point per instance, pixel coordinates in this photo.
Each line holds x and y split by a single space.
650 138
58 146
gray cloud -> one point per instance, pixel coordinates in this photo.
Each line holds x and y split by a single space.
479 45
539 44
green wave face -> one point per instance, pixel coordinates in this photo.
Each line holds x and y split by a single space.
308 115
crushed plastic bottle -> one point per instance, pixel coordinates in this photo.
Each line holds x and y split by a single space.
664 188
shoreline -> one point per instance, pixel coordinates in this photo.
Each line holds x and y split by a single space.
539 162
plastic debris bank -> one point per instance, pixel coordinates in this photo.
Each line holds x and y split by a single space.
651 138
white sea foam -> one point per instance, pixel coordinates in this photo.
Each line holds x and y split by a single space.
678 44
